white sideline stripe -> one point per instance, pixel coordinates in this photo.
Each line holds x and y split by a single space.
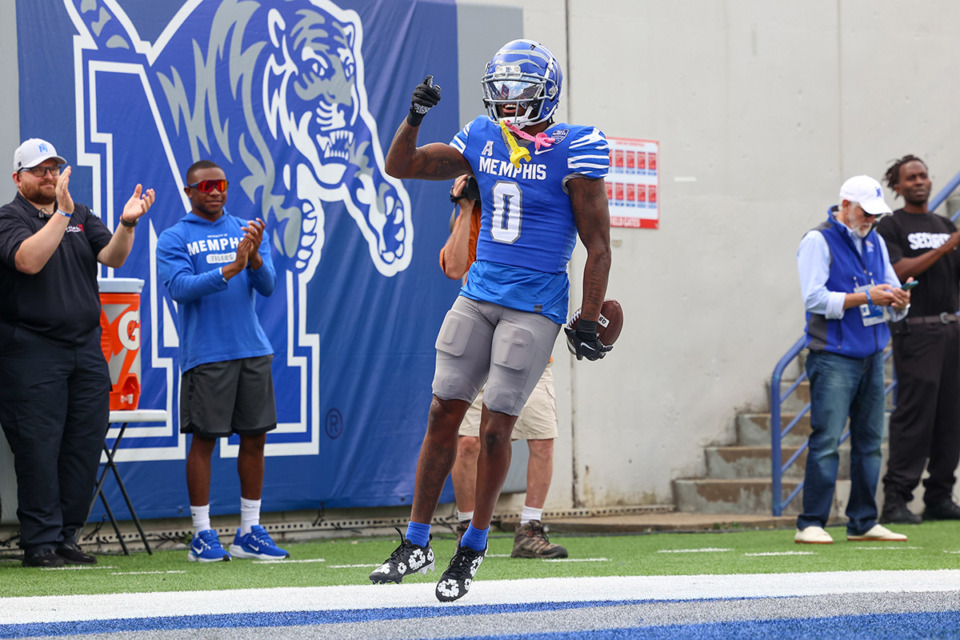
24 610
288 561
77 567
576 560
141 573
705 550
899 547
783 553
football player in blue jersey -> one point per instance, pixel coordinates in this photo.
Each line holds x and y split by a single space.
541 185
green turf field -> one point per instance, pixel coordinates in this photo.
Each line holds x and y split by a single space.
933 545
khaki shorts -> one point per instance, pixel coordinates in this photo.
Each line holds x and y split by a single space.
537 421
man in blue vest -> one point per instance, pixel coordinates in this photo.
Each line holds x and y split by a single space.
849 290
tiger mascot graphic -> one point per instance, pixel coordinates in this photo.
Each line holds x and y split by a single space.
273 91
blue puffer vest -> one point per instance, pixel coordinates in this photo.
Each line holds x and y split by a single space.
848 270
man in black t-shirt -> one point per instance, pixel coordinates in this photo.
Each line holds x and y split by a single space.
54 381
926 349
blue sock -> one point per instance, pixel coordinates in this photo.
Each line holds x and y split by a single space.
418 533
476 539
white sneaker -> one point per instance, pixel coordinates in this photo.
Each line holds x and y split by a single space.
812 535
878 533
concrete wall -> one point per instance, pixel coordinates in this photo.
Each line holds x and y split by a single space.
761 109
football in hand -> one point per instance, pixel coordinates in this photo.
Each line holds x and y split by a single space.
608 326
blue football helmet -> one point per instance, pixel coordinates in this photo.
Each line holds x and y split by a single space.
523 73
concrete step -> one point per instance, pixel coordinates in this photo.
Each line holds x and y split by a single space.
739 462
744 496
797 400
753 429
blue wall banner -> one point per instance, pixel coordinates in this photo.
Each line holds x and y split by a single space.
297 100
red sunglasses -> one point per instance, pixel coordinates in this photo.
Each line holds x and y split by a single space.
206 186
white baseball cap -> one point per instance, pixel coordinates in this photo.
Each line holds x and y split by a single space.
32 152
866 192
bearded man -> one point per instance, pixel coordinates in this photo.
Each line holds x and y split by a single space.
54 380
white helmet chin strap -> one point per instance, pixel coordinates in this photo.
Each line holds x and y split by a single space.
520 119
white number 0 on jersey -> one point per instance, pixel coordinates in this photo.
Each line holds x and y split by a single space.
507 211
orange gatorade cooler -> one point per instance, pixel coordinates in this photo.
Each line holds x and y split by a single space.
120 321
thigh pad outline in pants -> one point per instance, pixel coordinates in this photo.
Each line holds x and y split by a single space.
463 352
521 349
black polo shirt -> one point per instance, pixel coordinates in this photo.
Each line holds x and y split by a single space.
62 301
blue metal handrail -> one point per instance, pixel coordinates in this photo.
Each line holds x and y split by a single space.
777 398
776 402
944 194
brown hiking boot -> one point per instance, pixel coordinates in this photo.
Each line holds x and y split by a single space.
531 542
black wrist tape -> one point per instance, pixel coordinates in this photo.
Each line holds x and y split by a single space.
587 328
414 119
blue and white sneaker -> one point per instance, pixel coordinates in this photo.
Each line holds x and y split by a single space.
205 547
257 544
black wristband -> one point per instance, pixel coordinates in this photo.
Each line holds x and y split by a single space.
587 327
414 119
129 225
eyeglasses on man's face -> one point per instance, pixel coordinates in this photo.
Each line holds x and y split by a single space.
39 172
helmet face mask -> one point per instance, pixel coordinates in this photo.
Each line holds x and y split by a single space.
522 84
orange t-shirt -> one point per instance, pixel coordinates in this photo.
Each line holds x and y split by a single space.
474 236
